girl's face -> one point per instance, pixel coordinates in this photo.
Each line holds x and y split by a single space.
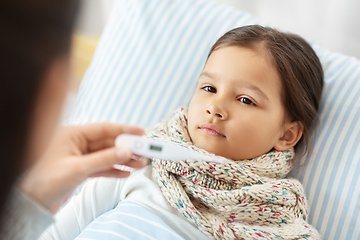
237 111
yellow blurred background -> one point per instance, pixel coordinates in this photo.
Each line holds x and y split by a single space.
82 51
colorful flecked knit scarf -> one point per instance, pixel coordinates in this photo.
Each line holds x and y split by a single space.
233 200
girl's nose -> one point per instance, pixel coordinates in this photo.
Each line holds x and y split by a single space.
216 110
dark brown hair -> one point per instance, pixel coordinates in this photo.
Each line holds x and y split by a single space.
33 34
299 68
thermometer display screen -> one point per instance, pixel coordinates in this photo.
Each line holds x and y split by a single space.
156 148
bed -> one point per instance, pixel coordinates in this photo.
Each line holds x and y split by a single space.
147 63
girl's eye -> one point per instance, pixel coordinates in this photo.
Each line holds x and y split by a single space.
210 89
246 101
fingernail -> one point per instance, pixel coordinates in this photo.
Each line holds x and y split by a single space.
121 154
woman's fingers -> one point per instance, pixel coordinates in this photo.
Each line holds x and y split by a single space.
137 163
104 160
101 144
122 171
114 173
98 131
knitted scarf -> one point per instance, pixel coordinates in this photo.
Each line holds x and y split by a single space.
236 199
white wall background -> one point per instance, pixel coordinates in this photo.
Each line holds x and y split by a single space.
332 23
93 15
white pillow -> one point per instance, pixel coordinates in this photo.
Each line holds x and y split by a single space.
148 61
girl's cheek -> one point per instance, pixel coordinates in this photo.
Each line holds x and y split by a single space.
194 104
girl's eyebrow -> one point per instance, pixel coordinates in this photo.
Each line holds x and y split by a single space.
256 89
206 74
246 85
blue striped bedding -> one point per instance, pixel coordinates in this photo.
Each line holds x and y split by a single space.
147 63
128 221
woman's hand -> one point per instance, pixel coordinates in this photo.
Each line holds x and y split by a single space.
75 154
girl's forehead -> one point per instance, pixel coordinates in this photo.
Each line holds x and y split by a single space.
241 64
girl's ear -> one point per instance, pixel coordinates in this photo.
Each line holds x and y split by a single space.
290 138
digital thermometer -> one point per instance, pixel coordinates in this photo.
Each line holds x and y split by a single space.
152 148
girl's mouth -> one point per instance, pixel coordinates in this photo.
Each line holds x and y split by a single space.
211 130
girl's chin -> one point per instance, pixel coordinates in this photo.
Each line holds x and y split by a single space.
211 149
